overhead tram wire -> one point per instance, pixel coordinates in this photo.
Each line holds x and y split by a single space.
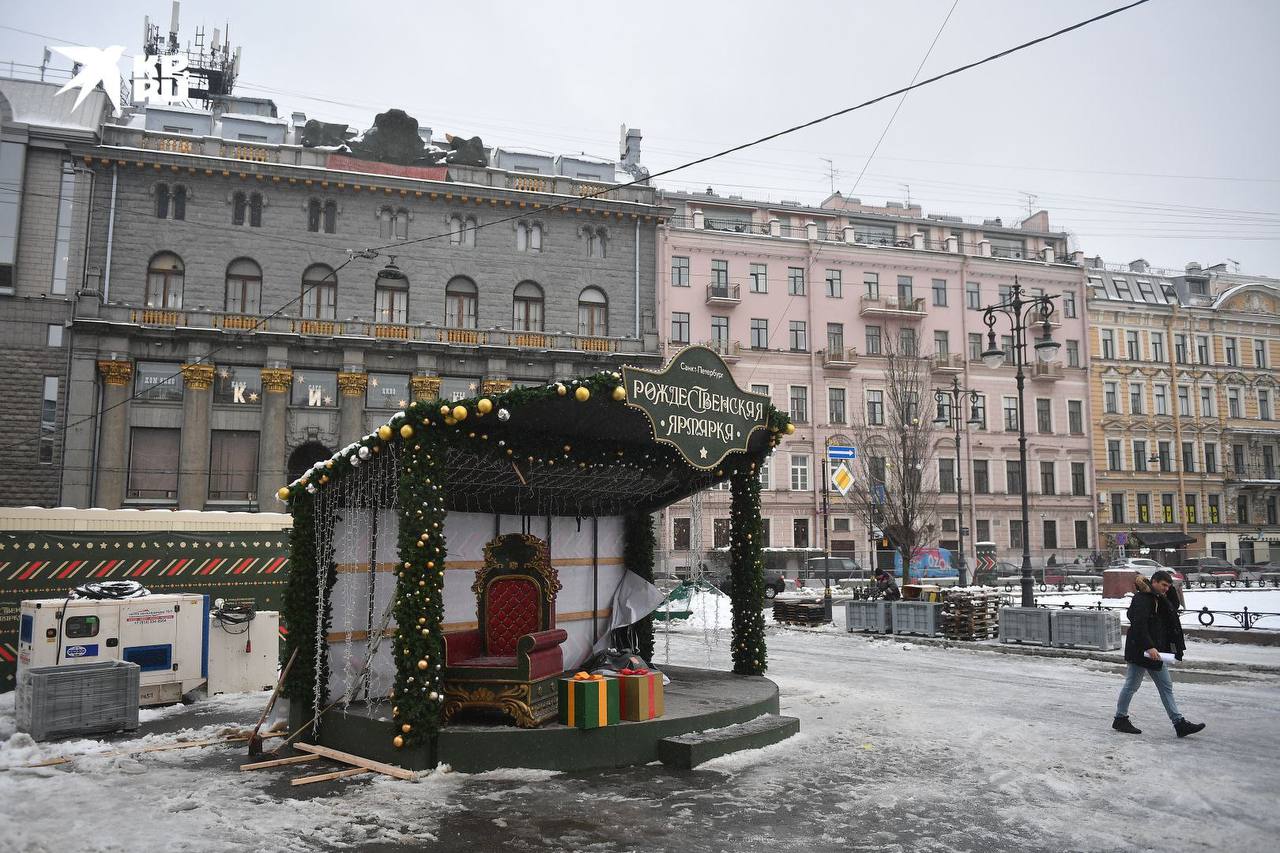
374 251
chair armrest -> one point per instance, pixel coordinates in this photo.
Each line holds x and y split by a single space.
539 640
462 645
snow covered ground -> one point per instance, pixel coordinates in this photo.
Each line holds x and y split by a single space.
903 747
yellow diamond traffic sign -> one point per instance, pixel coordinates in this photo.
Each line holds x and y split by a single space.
841 478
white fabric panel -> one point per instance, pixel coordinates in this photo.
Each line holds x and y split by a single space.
388 536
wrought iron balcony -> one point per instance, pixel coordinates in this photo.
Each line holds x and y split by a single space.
952 362
724 294
841 358
1046 372
892 306
730 351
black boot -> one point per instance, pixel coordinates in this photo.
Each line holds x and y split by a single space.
1122 724
1183 727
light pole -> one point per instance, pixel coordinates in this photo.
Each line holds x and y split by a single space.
953 398
1023 311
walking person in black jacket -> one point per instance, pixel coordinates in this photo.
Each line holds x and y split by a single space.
1154 627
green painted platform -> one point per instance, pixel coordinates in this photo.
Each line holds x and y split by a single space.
688 751
696 700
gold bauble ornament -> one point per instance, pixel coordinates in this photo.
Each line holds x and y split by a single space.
328 464
791 428
406 431
450 421
398 741
582 394
561 390
484 406
444 410
459 413
384 432
405 728
283 493
619 393
422 664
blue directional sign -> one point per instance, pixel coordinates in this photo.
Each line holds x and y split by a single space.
837 451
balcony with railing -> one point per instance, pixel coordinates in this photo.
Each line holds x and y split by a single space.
1254 473
892 306
840 358
947 362
1046 372
724 293
424 334
730 351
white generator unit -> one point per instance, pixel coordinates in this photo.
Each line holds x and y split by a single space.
167 636
243 655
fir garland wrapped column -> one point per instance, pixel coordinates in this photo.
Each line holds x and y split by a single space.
299 605
746 563
639 543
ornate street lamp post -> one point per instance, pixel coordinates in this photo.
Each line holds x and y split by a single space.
1023 312
949 402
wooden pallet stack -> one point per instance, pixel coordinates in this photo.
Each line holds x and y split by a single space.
806 612
969 614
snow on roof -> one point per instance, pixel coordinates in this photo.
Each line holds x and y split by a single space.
527 152
254 117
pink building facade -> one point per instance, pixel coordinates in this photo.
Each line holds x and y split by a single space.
801 302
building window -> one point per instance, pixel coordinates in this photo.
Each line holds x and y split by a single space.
1075 417
322 216
1011 414
1073 353
973 295
1069 305
162 201
1166 509
1050 534
237 386
239 206
1163 457
528 237
251 204
799 472
53 335
799 404
1184 401
680 327
799 336
1242 509
875 345
1157 347
462 231
233 465
1233 402
1229 350
1206 402
1135 398
244 287
835 405
984 530
1108 338
940 292
907 342
1180 349
1189 457
720 332
153 464
314 389
460 303
759 274
1210 458
1144 507
980 409
1077 478
1131 346
906 292
1215 509
62 232
1117 507
165 276
981 477
795 281
946 475
835 339
596 240
1202 349
48 420
875 408
593 313
157 382
1162 400
975 346
759 333
390 303
1110 401
680 534
1140 456
679 278
719 533
1264 404
1013 476
1273 509
1259 350
942 343
1048 479
1082 534
720 278
1044 416
800 533
764 476
1015 532
835 287
526 307
319 293
1191 504
1113 454
871 283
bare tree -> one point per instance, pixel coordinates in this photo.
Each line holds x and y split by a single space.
894 482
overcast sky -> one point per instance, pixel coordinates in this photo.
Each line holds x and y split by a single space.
1151 134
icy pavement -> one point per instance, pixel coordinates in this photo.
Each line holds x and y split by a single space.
903 747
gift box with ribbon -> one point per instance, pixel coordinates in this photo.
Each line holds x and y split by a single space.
588 701
640 694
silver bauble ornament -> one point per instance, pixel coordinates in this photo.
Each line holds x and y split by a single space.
504 415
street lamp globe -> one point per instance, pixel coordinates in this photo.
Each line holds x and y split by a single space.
1047 347
975 416
992 356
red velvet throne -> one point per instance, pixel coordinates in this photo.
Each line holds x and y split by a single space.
511 661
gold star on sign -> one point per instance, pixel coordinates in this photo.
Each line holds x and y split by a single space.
224 373
299 379
328 401
253 397
373 380
702 453
402 403
471 387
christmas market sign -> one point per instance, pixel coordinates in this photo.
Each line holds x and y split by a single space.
695 406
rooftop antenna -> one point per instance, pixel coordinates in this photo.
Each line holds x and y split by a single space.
1032 198
907 187
831 172
1235 264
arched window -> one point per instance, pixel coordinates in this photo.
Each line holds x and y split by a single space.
462 232
527 307
385 223
162 201
455 230
322 216
593 313
244 287
255 210
164 281
238 207
319 292
596 239
528 237
460 303
391 296
180 202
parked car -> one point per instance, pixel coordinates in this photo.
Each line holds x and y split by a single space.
838 567
774 583
1207 565
1142 564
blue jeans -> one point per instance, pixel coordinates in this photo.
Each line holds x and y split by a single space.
1164 684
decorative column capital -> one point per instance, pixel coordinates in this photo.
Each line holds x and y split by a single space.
276 380
198 377
116 373
353 384
426 387
495 386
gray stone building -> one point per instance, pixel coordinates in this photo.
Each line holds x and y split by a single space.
45 190
248 310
